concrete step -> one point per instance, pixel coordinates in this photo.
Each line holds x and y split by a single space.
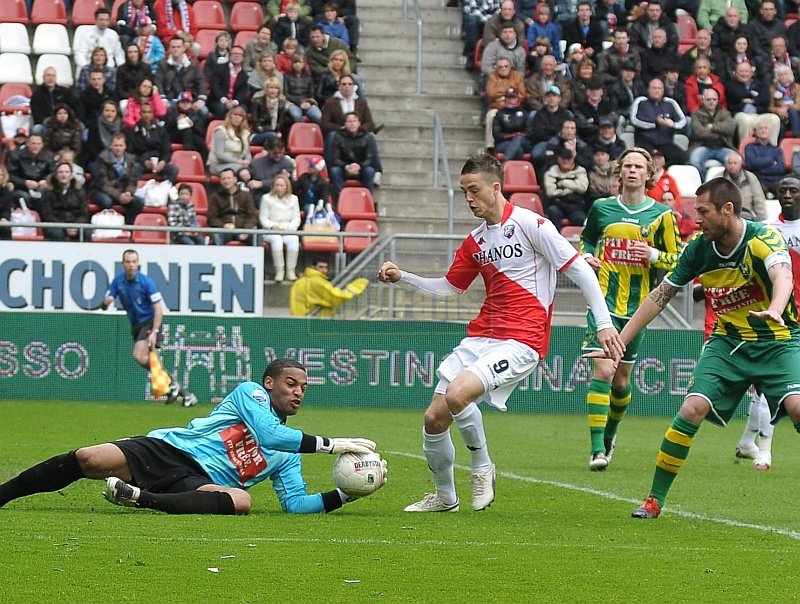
429 226
391 39
393 14
447 117
455 76
401 163
424 131
407 54
425 5
442 103
430 85
424 148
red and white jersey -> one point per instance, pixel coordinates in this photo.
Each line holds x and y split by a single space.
518 260
790 229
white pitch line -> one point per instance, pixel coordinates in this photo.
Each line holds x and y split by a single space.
613 496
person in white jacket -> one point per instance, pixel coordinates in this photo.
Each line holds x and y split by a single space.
280 211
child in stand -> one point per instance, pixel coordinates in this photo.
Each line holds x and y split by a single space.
311 186
181 213
283 62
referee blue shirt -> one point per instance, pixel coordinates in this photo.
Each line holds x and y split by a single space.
137 296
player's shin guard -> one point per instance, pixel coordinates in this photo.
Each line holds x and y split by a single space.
190 502
672 455
51 475
470 424
597 400
441 457
618 405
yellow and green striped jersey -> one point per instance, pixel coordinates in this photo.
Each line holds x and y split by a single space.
739 282
610 227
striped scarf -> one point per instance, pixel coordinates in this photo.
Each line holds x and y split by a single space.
135 14
182 6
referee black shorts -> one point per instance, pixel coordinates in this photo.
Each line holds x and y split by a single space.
141 331
159 467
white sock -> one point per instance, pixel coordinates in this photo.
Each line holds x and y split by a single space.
765 444
765 428
748 439
441 456
470 425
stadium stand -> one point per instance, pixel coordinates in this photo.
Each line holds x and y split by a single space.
246 16
356 203
49 11
13 11
150 236
530 201
14 38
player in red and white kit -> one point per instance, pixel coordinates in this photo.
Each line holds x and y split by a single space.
759 418
518 254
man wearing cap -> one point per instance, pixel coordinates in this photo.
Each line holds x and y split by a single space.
187 126
657 119
545 125
507 46
177 73
592 110
312 186
565 186
611 60
601 177
584 30
625 89
508 128
262 170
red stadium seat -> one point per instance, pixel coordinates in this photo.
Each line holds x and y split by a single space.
150 236
530 201
9 90
208 14
83 11
246 16
210 128
205 38
356 245
519 177
243 38
202 222
687 29
744 142
49 11
356 203
478 57
305 137
301 165
788 147
13 11
39 236
190 166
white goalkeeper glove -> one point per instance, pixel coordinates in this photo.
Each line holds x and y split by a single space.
337 446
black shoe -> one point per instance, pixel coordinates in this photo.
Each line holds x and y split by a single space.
378 128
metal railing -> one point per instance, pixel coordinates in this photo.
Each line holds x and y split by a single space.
418 21
440 161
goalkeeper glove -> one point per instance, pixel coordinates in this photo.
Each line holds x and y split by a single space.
337 446
357 286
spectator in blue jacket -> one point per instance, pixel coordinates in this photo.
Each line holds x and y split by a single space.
543 26
764 159
331 24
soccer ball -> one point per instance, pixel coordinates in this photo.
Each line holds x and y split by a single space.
358 474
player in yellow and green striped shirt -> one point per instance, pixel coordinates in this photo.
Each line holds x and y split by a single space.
627 238
755 342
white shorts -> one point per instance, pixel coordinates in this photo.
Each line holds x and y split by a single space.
499 364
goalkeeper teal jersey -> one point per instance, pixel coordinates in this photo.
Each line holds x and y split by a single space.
739 282
610 227
242 442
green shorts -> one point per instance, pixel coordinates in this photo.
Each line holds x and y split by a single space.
728 367
590 341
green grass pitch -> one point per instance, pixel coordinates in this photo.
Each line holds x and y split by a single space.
556 532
